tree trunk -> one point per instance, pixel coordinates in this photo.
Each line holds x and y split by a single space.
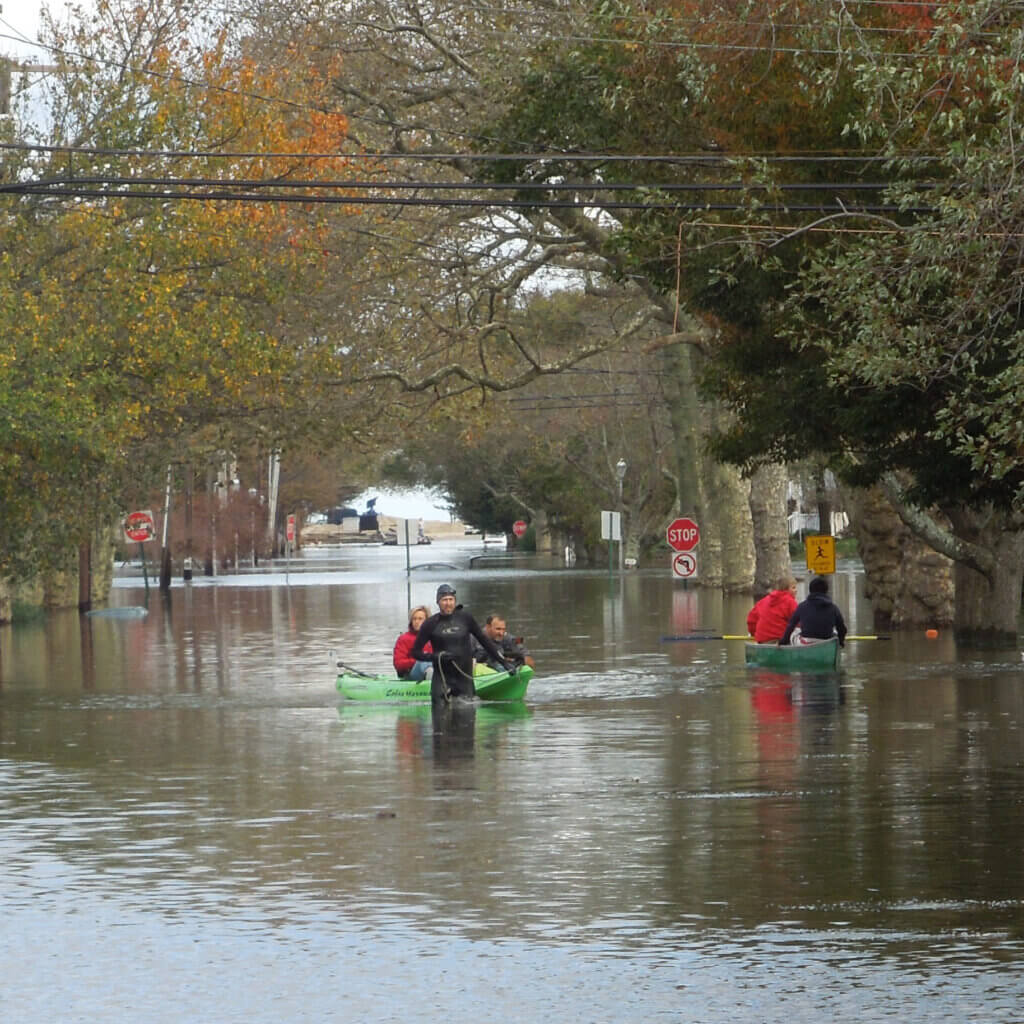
771 528
988 604
732 529
714 495
542 540
684 415
84 577
822 501
908 583
187 562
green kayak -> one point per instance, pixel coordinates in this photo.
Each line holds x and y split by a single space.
821 656
492 686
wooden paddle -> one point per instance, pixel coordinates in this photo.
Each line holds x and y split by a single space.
744 636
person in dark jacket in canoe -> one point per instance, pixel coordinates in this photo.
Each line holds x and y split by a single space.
817 618
450 632
767 620
512 650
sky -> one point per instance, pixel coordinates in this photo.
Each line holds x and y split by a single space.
19 20
404 504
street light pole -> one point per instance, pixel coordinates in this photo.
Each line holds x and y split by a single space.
620 473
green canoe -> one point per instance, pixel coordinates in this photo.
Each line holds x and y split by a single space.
493 686
821 656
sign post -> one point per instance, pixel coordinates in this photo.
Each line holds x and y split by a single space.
611 530
683 535
289 541
139 526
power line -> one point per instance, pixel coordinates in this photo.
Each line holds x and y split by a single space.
549 156
448 186
538 203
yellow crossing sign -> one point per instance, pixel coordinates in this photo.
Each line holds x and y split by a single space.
821 553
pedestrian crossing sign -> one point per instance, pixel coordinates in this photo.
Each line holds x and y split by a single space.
821 554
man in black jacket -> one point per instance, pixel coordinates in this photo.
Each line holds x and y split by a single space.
817 617
450 634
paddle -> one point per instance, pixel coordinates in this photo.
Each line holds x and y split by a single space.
744 636
354 671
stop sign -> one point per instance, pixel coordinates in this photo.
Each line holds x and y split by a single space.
139 526
519 527
683 534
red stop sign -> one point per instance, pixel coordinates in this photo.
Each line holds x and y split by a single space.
139 526
683 534
519 527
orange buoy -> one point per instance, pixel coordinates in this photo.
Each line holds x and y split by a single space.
931 633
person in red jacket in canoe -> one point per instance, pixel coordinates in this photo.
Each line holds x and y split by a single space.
767 620
405 665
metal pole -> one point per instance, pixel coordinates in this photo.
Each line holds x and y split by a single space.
611 548
620 473
621 555
145 575
165 551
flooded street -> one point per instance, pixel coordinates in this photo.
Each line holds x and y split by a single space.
195 827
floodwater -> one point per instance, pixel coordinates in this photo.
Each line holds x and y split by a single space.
195 827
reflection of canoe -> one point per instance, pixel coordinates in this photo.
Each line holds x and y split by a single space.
496 686
492 713
821 656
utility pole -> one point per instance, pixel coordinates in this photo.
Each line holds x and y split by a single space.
5 84
7 67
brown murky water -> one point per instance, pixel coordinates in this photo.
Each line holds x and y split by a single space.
193 826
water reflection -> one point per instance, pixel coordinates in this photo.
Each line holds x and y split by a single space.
190 785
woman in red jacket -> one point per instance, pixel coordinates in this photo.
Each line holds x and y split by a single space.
766 621
405 665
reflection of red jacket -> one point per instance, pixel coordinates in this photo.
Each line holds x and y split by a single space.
768 618
403 645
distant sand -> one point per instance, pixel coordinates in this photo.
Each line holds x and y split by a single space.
328 533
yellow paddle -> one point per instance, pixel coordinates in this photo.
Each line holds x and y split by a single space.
744 636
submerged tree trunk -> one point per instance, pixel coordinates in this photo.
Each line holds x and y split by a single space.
771 528
822 501
714 495
988 602
684 415
908 582
732 530
987 546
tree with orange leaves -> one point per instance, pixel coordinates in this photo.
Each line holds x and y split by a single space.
152 304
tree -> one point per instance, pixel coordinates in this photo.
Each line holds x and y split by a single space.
906 329
431 88
144 323
548 451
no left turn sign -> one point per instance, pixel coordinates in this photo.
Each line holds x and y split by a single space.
684 565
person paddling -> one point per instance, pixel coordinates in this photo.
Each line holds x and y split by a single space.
449 632
816 618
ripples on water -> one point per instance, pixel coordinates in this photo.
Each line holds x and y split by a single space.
193 827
